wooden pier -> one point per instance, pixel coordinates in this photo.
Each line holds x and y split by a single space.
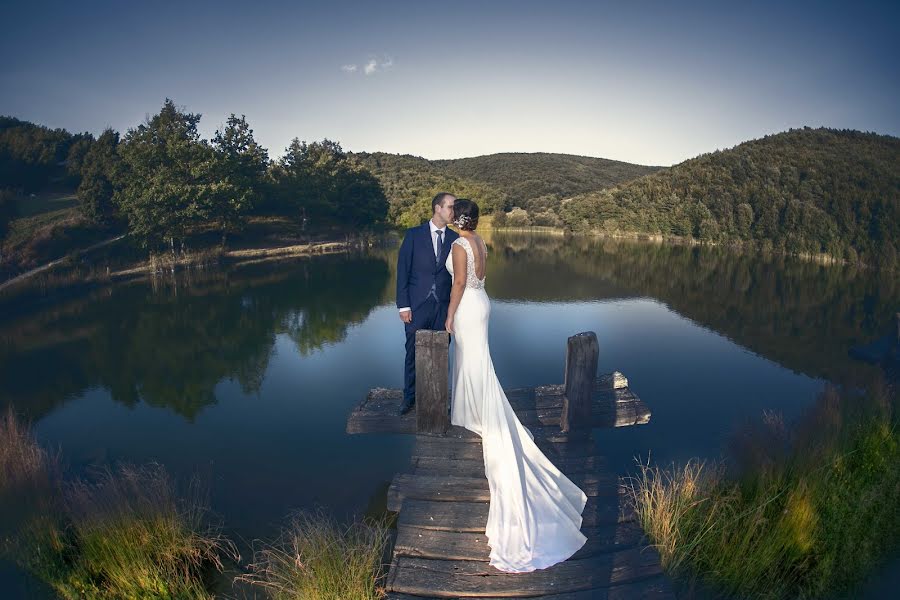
441 550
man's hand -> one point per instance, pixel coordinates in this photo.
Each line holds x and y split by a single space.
448 325
406 316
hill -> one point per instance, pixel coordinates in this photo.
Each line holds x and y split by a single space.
526 176
496 181
803 191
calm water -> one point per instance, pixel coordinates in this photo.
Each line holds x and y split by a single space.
246 377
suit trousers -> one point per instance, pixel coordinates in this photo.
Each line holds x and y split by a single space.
430 315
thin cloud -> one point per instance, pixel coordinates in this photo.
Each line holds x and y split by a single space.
371 66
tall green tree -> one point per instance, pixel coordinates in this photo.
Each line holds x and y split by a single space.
239 166
100 168
166 185
327 188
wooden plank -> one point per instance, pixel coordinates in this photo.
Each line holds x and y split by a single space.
467 545
472 516
613 405
430 465
447 488
476 579
653 588
377 413
546 438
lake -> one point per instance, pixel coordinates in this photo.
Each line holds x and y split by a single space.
245 376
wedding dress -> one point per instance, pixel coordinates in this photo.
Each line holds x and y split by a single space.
534 519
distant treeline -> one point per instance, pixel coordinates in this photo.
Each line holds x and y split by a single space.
163 182
804 191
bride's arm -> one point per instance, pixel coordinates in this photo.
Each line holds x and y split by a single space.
459 283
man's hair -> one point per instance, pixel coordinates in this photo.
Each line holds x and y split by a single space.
439 199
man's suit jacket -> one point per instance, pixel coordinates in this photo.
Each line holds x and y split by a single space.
417 269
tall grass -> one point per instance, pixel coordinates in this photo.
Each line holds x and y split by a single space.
316 558
800 511
29 477
126 533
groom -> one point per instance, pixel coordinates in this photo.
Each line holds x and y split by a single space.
423 283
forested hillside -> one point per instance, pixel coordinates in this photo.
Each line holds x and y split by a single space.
525 176
801 191
498 182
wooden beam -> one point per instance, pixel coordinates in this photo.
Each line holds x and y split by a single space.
582 353
432 385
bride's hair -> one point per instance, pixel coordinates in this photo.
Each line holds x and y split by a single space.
465 214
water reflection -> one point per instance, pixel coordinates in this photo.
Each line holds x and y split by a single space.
170 344
800 314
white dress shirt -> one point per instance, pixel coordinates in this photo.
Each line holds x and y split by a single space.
434 245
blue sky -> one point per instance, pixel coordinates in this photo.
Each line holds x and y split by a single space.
645 82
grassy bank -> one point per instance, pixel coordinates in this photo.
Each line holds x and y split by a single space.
130 532
805 510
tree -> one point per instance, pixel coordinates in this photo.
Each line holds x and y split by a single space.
238 167
325 187
165 184
101 166
744 220
9 210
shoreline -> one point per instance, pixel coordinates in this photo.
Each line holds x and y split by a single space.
658 238
161 264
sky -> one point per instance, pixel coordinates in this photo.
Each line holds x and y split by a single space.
653 83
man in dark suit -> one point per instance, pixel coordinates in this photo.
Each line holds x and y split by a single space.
423 283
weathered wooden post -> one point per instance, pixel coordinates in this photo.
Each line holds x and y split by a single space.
582 355
432 389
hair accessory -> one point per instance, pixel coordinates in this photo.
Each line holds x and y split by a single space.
462 221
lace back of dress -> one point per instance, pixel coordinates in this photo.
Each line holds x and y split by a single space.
472 280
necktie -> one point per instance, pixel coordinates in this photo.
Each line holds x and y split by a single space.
437 255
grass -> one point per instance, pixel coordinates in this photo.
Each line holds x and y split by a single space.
29 476
125 533
317 559
801 511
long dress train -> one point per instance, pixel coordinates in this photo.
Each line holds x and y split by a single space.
534 519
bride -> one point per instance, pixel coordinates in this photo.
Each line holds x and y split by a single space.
534 519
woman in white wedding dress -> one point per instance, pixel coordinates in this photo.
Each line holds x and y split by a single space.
534 519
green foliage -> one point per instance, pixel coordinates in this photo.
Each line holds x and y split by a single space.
324 186
804 191
9 210
100 168
238 167
33 157
167 185
410 182
524 177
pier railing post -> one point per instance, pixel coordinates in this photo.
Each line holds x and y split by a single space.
432 389
582 354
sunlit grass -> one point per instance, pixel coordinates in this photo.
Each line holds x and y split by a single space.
798 512
126 533
317 558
